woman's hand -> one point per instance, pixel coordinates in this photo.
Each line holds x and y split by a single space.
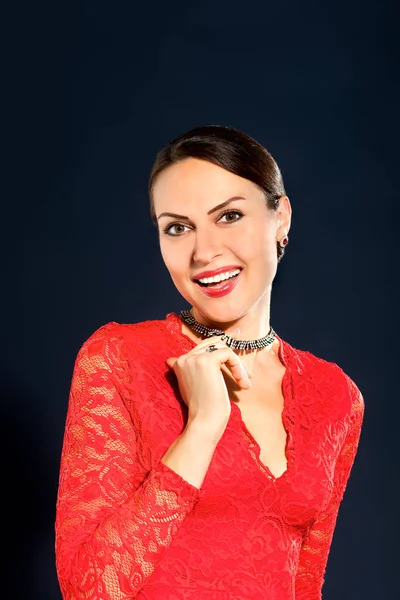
201 380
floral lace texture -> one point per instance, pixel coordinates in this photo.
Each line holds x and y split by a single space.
127 526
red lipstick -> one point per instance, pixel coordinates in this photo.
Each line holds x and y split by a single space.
220 289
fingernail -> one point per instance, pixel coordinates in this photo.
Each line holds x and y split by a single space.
244 372
246 379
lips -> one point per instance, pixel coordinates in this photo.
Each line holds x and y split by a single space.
220 289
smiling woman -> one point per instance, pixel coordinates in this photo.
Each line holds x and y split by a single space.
233 151
218 196
204 456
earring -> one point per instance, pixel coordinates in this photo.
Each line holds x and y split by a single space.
284 241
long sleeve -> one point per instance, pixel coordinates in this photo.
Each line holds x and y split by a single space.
110 531
317 541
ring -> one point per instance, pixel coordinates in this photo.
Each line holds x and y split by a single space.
211 348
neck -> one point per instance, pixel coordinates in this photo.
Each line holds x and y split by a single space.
253 325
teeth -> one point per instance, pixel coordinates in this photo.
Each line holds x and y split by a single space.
220 277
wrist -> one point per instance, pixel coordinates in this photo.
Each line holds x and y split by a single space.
205 429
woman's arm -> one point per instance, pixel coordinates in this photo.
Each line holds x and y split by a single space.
318 539
109 535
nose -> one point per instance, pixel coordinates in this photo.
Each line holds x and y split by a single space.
207 245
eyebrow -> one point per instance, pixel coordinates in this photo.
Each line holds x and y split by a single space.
210 212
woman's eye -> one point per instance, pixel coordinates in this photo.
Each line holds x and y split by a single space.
232 216
178 227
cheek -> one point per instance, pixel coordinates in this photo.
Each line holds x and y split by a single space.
258 242
177 267
174 260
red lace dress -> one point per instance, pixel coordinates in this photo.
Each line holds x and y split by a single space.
128 526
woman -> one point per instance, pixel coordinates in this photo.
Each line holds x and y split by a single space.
196 465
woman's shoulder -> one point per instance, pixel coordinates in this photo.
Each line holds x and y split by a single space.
138 336
327 378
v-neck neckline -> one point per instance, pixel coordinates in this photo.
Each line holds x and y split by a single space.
236 414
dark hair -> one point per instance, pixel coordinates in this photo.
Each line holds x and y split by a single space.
230 149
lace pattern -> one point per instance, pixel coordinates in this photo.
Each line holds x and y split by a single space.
110 535
127 526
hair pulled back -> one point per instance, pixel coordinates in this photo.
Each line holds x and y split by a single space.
230 149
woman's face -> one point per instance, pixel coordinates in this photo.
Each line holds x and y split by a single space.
208 219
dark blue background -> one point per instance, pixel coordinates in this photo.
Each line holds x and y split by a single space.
93 90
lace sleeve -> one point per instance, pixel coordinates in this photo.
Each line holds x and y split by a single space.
318 539
109 535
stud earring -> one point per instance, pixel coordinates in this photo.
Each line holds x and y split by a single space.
284 241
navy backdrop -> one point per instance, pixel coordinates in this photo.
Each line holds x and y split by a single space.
96 89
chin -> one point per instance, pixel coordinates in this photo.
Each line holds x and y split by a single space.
222 315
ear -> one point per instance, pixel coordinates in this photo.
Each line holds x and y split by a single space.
283 216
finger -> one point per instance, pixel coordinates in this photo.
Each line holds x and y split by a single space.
238 370
170 362
226 357
215 339
220 343
234 333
